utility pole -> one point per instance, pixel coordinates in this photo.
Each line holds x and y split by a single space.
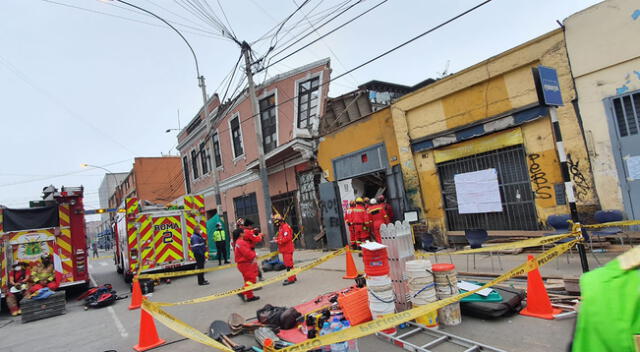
209 141
255 110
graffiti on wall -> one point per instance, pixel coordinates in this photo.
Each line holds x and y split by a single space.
541 186
307 191
579 180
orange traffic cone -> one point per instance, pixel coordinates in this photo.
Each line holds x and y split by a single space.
538 303
352 272
136 295
148 337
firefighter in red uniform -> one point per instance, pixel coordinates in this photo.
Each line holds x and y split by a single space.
348 218
376 216
245 256
387 207
284 239
359 220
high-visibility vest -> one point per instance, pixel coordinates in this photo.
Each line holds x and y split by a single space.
219 235
609 315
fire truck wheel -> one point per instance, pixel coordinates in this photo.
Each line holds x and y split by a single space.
119 269
128 277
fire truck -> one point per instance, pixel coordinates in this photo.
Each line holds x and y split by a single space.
53 226
151 237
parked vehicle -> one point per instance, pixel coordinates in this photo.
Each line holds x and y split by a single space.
151 237
53 226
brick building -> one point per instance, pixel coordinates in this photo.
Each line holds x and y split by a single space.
290 106
154 179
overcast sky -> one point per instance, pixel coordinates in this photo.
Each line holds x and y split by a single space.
79 86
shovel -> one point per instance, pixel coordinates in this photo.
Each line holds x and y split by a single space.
218 330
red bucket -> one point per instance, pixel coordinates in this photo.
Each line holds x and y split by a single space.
376 262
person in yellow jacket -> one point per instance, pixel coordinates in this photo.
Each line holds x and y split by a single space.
220 238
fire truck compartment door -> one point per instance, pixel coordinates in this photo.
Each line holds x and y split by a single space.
168 239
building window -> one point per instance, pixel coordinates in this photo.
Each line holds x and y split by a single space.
268 121
308 98
216 150
236 137
194 163
246 207
204 158
627 111
185 169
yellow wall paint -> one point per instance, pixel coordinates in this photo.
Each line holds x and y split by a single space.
493 87
371 130
477 102
543 167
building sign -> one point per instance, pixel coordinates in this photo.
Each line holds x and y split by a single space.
478 192
548 86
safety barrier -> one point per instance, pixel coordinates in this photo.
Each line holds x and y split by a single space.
198 271
272 280
360 330
612 224
532 242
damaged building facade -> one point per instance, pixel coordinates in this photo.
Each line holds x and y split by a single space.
485 125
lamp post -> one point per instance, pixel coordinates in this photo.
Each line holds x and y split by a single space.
115 179
205 106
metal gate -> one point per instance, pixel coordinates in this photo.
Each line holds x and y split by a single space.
518 204
624 121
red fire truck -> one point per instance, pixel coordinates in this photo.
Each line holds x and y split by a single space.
151 237
53 226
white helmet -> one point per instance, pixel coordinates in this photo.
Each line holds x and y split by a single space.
373 201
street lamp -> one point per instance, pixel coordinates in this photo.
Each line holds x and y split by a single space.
109 172
205 107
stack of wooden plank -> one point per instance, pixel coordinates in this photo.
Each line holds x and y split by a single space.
43 308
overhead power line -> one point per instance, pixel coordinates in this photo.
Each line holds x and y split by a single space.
200 31
322 36
411 40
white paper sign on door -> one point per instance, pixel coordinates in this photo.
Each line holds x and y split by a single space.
633 167
478 192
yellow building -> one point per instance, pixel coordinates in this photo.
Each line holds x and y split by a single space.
358 153
487 117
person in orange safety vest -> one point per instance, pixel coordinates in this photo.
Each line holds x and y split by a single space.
376 216
284 239
348 218
387 207
359 221
245 256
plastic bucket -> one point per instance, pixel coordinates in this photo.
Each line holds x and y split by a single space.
376 262
446 283
429 320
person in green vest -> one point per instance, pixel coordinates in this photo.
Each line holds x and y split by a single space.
220 238
609 313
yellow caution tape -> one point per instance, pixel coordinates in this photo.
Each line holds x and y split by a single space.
181 327
532 242
364 329
198 271
272 280
613 224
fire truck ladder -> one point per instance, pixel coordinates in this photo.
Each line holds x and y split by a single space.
423 339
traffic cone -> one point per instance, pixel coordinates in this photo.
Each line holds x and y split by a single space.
352 271
148 337
538 303
136 295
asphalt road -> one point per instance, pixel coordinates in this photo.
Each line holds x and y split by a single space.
116 328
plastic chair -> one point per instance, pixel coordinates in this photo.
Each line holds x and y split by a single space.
427 245
603 216
560 224
476 237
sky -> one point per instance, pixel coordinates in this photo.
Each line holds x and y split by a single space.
97 82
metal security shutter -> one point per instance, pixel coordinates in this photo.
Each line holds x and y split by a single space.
518 204
359 163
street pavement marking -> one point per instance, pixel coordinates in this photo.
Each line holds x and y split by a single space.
116 320
104 263
123 332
